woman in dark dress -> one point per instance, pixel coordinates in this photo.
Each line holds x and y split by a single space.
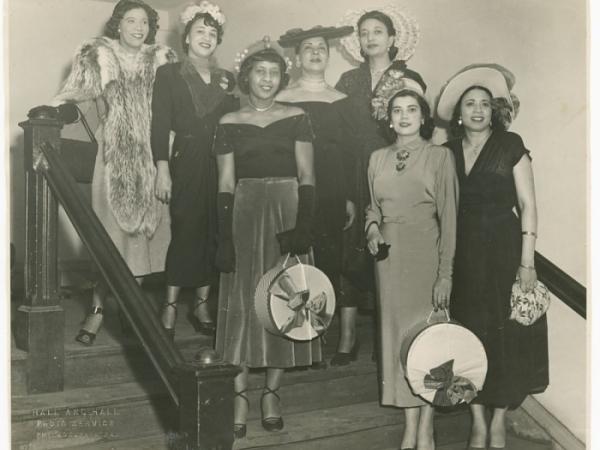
384 40
335 168
265 160
189 98
495 245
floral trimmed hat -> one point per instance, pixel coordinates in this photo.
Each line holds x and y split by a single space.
394 81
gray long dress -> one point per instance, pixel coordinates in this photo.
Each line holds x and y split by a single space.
416 212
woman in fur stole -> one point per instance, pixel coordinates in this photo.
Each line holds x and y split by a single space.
189 98
118 70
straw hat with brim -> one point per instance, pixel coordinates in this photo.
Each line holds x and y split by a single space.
490 78
295 36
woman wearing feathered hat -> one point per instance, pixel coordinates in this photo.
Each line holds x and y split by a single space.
335 167
265 209
384 40
118 69
189 98
494 245
410 229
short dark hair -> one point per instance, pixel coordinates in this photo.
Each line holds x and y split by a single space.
299 44
389 25
209 21
426 129
501 113
269 55
111 29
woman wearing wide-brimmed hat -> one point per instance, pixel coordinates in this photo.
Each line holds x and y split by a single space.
495 245
331 113
384 39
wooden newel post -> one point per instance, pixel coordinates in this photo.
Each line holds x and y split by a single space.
39 327
206 404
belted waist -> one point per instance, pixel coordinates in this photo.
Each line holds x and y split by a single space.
416 218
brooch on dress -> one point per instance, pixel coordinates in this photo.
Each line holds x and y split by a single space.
401 156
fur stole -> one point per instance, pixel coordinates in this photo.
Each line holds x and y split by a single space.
102 68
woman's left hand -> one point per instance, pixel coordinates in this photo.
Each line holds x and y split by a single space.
527 278
441 293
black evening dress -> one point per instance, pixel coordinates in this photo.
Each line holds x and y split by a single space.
488 254
182 102
335 173
369 136
265 204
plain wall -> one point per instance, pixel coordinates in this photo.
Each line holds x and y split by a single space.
542 42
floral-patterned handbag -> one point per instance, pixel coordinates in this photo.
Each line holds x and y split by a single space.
527 307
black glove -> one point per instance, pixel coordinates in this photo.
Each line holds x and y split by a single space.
225 257
298 240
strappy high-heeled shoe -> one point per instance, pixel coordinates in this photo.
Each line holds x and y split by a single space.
91 325
239 429
206 327
170 331
270 423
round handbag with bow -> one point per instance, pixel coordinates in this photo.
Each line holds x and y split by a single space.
443 361
296 301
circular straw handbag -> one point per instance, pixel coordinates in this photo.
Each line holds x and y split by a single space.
443 361
295 301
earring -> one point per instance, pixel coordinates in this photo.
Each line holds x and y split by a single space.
460 121
391 125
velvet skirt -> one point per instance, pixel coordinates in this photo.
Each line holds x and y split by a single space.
263 207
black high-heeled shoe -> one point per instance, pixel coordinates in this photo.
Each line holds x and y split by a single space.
270 423
93 321
344 358
170 331
239 429
205 327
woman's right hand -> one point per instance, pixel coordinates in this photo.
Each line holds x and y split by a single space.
162 186
374 238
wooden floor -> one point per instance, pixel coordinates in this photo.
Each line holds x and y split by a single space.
331 408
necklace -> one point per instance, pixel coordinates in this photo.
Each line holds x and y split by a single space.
313 85
474 149
259 109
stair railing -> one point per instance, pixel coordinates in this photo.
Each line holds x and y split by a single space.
202 391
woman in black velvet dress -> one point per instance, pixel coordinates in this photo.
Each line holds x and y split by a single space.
494 244
265 210
189 98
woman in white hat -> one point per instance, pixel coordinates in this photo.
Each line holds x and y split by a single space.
494 245
412 216
384 39
188 99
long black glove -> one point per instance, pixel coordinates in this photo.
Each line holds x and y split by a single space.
298 240
225 258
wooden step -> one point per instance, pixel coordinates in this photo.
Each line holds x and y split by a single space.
126 410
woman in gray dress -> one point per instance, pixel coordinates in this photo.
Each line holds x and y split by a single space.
414 193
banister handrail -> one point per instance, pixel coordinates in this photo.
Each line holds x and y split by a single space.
202 390
155 341
562 285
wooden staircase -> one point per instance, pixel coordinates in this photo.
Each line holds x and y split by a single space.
113 399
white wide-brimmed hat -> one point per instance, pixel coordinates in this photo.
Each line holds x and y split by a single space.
495 78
